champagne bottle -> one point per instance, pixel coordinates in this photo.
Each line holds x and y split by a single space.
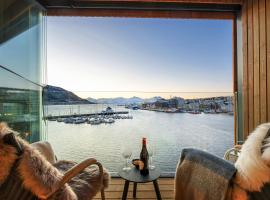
144 158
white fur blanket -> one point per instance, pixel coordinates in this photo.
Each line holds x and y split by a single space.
253 164
40 176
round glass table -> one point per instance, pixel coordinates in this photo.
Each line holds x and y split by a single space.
133 175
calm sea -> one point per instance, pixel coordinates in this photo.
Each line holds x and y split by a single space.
168 133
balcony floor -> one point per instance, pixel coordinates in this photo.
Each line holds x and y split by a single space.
144 191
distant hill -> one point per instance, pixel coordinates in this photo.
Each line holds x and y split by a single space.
57 96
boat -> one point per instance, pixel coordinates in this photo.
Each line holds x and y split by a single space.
69 120
60 119
195 112
79 120
109 120
52 119
126 117
94 121
209 112
116 117
135 107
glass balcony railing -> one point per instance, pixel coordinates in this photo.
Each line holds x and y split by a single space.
22 50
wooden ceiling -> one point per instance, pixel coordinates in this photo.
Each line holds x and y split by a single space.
63 3
213 9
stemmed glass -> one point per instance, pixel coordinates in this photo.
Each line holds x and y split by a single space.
151 153
126 153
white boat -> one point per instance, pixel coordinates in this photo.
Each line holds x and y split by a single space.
79 120
94 121
109 120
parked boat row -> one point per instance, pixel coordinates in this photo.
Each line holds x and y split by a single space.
105 119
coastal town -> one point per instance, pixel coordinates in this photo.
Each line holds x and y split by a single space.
211 105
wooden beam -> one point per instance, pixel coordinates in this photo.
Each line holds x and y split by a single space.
141 13
250 65
262 76
245 71
256 62
220 2
239 2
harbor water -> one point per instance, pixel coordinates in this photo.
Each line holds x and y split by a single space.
166 133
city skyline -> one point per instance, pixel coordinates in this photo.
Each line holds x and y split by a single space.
112 57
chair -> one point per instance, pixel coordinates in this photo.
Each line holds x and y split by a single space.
245 177
58 181
233 153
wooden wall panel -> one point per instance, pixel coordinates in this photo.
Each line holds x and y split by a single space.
262 77
256 61
268 57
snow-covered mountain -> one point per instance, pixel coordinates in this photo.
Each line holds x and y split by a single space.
117 100
124 101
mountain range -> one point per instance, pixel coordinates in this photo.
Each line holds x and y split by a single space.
123 101
53 95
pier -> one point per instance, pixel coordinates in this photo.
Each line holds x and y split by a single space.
54 117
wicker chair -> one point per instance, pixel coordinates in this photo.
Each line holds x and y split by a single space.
13 189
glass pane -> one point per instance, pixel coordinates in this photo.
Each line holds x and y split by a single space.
21 58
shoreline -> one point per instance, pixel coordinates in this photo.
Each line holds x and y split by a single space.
189 112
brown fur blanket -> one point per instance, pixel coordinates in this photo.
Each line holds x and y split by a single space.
40 176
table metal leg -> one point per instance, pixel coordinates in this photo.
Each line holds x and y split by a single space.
157 189
134 189
125 192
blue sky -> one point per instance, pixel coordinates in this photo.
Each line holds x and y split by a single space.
99 57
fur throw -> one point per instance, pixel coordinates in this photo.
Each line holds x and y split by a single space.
46 150
253 164
37 174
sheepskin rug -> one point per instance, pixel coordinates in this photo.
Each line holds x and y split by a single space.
40 176
253 164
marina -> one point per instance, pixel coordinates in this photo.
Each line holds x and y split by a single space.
107 116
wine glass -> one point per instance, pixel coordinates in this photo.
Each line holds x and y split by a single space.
151 153
126 153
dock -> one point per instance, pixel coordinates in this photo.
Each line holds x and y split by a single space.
54 117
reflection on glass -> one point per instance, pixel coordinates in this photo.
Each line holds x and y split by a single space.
21 51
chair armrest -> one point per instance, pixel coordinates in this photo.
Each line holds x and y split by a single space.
235 151
75 171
